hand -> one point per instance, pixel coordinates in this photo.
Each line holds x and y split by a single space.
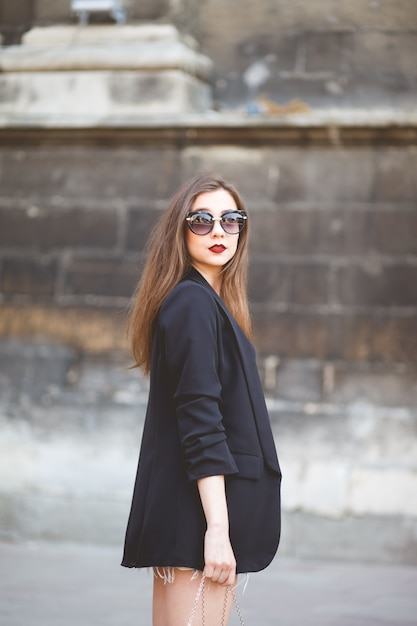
220 562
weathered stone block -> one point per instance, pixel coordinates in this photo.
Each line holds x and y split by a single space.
324 51
394 231
294 335
324 489
314 90
390 539
340 336
325 176
299 380
29 276
396 92
277 50
94 174
249 39
379 386
343 232
120 394
309 284
310 231
396 175
114 279
376 284
148 9
361 433
52 228
59 518
32 367
284 231
291 182
387 492
139 226
268 282
361 14
376 336
384 53
246 168
284 17
91 96
89 329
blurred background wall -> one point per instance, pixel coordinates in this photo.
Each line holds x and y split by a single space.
331 53
312 113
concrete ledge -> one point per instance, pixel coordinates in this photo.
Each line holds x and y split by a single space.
139 56
67 35
71 48
318 129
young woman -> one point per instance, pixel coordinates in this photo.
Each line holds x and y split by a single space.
207 490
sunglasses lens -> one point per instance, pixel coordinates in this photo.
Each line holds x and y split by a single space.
233 223
200 223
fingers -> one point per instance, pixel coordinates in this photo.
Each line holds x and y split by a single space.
220 562
231 579
222 575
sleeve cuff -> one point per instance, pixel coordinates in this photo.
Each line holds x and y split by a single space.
216 460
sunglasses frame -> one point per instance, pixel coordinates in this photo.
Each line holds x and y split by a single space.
241 214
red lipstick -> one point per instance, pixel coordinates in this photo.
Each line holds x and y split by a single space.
218 248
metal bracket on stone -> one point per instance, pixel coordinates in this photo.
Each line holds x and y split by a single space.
83 8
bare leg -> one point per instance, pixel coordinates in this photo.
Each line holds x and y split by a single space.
173 602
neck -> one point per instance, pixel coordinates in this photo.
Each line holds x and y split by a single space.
214 278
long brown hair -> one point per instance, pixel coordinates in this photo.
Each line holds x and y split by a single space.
168 261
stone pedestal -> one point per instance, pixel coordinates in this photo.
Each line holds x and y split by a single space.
91 74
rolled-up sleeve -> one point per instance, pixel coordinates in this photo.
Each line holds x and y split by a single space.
189 325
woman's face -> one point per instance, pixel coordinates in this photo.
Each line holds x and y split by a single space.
209 253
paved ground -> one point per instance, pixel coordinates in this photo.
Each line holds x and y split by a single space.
46 584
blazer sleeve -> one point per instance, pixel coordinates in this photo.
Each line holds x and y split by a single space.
189 325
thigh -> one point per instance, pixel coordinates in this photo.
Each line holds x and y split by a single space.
173 602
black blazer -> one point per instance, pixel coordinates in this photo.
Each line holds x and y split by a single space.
206 416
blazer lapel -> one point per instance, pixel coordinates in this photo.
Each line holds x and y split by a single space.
251 373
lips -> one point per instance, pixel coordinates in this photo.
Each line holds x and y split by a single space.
217 249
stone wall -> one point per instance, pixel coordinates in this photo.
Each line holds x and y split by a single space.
333 254
333 295
325 53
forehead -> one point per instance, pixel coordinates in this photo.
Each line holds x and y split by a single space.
217 201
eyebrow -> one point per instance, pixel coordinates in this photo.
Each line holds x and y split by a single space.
221 213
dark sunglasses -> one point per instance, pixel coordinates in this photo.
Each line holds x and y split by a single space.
202 223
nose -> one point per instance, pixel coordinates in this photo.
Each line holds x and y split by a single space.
217 228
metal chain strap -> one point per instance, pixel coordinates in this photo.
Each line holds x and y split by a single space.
200 593
237 607
196 599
